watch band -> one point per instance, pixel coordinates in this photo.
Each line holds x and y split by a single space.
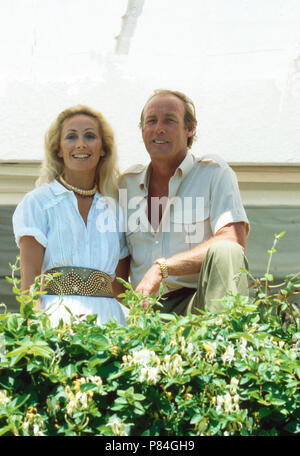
163 267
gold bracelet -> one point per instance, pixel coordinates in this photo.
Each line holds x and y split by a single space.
163 267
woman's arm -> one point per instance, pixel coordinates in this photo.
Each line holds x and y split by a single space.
123 272
31 260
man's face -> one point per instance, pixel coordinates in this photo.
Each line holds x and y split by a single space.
164 133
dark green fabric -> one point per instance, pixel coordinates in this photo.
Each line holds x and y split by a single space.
176 301
8 254
265 222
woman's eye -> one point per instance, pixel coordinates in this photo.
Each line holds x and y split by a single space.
90 136
71 136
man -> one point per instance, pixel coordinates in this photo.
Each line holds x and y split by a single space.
186 225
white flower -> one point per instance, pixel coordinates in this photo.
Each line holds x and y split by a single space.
172 365
98 381
150 375
117 426
79 400
211 349
227 403
219 403
36 430
242 348
34 421
26 425
4 399
190 348
233 384
53 405
72 405
228 355
236 399
143 357
83 399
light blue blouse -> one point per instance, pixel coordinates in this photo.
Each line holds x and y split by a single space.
50 214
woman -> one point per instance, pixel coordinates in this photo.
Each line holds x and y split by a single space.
61 225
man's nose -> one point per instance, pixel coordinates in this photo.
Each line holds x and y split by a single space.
160 128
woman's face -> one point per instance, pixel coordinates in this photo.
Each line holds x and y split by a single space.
80 144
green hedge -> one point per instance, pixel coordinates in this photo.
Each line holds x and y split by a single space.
232 373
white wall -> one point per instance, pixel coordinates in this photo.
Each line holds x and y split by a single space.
233 57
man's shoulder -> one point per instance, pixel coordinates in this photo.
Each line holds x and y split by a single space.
131 174
134 169
211 159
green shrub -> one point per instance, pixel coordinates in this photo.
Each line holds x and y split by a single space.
232 373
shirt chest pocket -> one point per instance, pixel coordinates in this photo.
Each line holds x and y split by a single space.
194 226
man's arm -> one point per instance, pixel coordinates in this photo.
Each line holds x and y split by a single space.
190 261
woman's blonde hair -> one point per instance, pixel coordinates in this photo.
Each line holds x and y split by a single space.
107 172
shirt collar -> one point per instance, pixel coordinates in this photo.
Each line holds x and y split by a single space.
183 170
143 179
59 189
186 165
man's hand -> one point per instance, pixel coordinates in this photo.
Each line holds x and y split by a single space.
190 261
151 281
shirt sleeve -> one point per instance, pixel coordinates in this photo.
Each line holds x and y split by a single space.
226 203
30 219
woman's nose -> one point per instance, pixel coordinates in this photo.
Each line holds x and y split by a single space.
80 143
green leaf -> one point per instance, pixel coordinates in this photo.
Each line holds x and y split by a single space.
88 387
18 401
15 359
269 277
91 318
277 401
26 309
278 236
168 317
196 418
293 427
101 341
70 370
187 332
263 412
5 429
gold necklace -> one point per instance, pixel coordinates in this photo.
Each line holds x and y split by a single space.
80 191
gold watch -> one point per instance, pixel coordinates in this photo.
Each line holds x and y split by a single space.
163 267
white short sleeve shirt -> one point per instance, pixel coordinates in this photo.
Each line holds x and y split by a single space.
203 197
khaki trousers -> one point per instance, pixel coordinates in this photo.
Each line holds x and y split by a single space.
223 261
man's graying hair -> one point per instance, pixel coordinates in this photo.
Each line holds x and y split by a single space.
190 120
